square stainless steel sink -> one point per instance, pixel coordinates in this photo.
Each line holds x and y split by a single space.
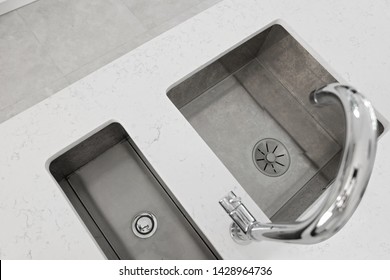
253 103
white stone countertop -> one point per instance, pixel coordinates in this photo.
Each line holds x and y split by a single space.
36 219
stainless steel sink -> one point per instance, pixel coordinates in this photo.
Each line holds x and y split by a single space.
126 208
251 106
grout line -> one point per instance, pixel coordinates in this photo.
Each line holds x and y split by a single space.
65 76
93 59
131 12
148 32
110 51
44 96
46 52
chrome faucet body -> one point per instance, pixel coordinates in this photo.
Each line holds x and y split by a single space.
347 190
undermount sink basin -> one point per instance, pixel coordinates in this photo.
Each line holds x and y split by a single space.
125 207
251 106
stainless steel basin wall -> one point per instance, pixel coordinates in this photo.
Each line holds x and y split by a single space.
258 91
126 208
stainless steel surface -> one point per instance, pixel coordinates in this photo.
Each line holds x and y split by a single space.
271 157
120 199
242 98
259 90
231 122
348 188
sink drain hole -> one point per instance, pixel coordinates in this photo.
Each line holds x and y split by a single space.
271 157
144 225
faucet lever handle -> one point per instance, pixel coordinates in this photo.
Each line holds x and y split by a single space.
230 202
237 211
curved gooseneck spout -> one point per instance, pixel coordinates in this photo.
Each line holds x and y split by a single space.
347 190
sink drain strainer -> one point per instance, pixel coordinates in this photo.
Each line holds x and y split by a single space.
144 225
271 157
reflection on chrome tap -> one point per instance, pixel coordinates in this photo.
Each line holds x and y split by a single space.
345 193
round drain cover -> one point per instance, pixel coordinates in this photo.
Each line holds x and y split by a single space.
144 225
271 157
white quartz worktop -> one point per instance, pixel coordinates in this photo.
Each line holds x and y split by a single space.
36 219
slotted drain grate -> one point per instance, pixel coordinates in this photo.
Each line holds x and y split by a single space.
271 157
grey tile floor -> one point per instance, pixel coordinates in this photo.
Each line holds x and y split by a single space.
50 44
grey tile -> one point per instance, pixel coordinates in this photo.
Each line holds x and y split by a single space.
50 39
173 21
10 23
153 13
26 71
182 16
75 32
208 3
107 58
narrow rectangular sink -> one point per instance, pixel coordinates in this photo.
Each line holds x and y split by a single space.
121 201
251 106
